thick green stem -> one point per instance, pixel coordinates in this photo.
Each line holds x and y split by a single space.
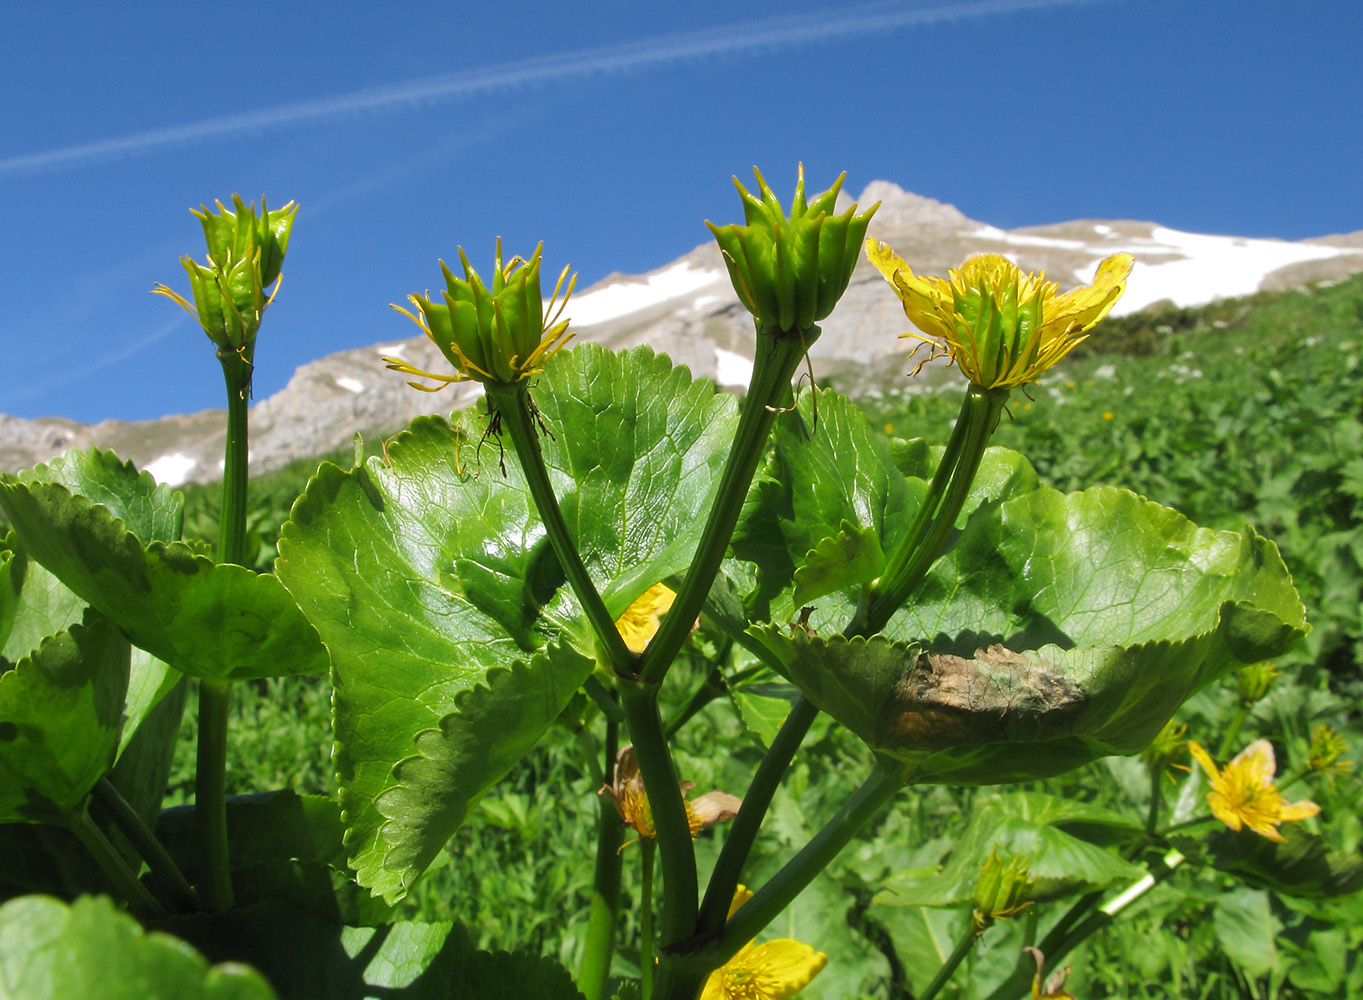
919 549
210 796
743 832
163 867
682 971
210 778
512 406
646 916
593 976
957 956
134 893
236 371
670 822
885 779
777 357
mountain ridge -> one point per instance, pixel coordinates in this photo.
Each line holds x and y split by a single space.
688 310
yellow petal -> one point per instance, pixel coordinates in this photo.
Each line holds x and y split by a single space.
639 624
771 971
1205 759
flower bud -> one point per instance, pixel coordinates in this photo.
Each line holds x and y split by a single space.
1003 888
790 269
498 334
245 254
1252 683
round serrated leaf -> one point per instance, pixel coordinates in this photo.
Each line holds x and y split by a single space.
1026 824
52 951
60 717
428 575
1101 612
211 620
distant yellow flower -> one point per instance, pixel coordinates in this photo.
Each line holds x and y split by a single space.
1003 328
769 971
639 623
1109 415
1244 794
626 791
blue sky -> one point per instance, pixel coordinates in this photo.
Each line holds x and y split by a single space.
610 131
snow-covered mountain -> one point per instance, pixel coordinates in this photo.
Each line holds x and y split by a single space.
689 311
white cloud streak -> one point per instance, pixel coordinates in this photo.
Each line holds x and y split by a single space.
770 34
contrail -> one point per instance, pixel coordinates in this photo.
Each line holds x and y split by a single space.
770 34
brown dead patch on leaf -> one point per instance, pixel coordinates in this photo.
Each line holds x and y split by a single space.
949 701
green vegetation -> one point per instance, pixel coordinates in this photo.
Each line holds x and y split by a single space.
1244 411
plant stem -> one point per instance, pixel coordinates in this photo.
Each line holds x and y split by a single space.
776 359
512 405
210 795
743 832
1152 814
210 777
1237 721
957 956
646 916
159 861
593 974
951 484
885 779
1066 935
670 822
134 893
711 688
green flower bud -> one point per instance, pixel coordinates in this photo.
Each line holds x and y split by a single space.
1166 748
503 334
1252 683
1003 888
790 270
245 254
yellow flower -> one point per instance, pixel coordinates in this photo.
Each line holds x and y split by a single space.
626 790
639 624
769 971
1003 328
1244 794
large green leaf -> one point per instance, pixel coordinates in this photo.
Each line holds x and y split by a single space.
1305 865
835 500
1101 612
40 605
435 589
833 479
306 958
60 717
285 848
52 951
1032 825
102 529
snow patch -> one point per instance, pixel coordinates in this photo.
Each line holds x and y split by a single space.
1101 229
706 300
172 469
731 368
1016 240
392 351
627 297
353 384
1213 267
